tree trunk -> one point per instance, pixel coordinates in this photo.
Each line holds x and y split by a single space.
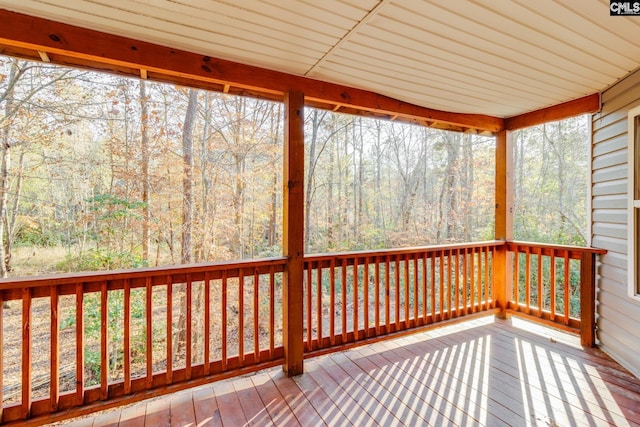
5 167
146 209
187 177
308 196
187 210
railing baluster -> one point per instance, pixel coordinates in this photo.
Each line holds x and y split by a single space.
432 258
343 284
26 353
54 386
415 289
527 279
493 285
365 280
486 278
516 278
272 310
449 283
396 277
207 323
149 326
540 282
457 282
241 316
465 281
224 320
308 304
79 344
104 343
377 296
552 288
387 296
189 312
256 324
479 275
127 336
169 373
567 286
441 261
332 302
319 304
356 326
472 275
406 293
424 288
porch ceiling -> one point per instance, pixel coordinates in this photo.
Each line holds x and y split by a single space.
499 58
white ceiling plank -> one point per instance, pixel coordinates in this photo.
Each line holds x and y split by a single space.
408 22
574 27
365 19
520 34
211 44
426 76
278 32
246 42
397 50
483 64
404 90
499 58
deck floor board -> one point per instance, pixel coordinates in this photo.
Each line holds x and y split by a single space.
479 372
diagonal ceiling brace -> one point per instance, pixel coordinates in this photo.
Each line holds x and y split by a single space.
368 17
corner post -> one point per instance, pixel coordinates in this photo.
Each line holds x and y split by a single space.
503 264
293 233
587 299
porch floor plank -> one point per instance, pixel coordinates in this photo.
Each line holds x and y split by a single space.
483 371
206 407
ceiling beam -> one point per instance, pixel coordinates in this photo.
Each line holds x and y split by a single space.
585 105
76 46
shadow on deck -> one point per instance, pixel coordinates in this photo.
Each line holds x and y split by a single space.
479 372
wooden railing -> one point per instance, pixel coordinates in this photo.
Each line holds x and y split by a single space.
111 334
354 296
555 283
77 340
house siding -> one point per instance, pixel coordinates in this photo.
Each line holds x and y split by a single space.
618 315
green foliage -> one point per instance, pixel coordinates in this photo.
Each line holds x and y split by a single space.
112 207
550 182
29 236
96 260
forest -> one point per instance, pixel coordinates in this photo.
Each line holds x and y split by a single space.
106 172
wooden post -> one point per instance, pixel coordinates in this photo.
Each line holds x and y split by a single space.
587 299
503 264
293 233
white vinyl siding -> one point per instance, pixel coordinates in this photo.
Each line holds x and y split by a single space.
633 211
618 319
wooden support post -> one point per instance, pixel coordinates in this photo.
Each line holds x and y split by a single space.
503 264
587 299
293 233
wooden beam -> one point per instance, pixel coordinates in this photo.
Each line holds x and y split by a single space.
44 56
143 74
503 265
293 233
504 186
89 48
585 105
588 300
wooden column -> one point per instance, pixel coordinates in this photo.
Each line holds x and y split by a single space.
293 232
503 265
588 299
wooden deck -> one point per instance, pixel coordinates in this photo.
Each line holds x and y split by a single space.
479 372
